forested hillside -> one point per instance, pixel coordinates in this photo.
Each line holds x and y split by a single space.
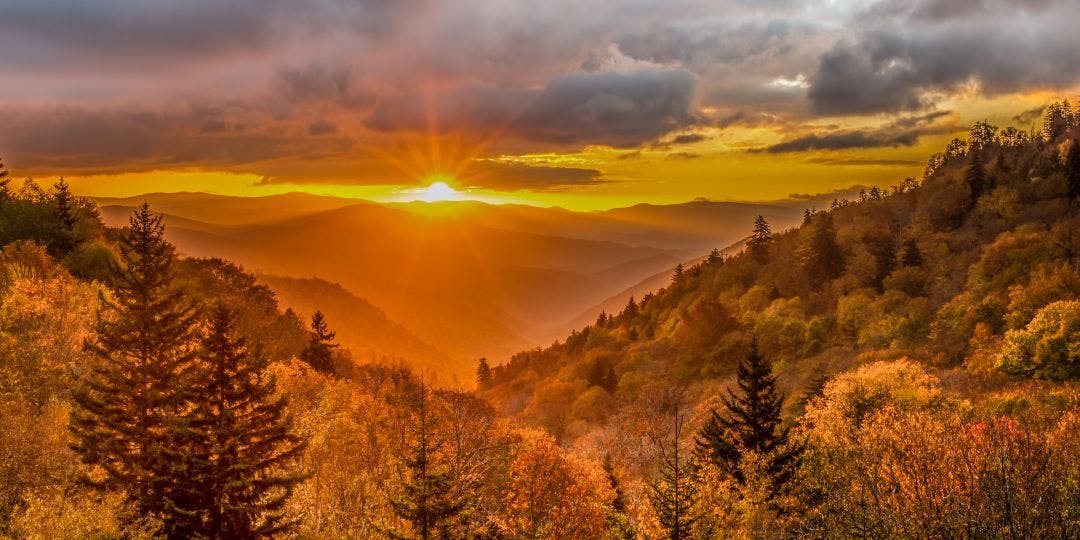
925 339
903 365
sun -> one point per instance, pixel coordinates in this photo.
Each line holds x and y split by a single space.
439 191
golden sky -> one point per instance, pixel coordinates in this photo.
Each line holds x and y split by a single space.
585 104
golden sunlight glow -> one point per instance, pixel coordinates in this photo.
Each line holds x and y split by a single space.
439 191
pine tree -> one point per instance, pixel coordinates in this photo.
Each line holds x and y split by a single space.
751 423
911 255
716 257
239 441
975 178
429 499
630 311
883 249
5 180
822 257
674 493
319 352
758 244
483 373
64 204
1072 169
678 274
133 401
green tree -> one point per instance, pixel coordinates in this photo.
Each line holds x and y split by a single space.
428 498
882 248
239 443
1072 169
674 493
1048 347
758 244
319 352
821 256
678 274
483 373
133 402
751 423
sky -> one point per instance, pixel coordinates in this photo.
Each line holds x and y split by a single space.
585 104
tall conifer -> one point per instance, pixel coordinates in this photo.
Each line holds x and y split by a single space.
674 493
238 443
428 498
132 403
758 245
751 423
319 352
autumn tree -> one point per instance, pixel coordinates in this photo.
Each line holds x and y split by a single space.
674 493
758 244
319 352
751 423
135 397
239 442
428 498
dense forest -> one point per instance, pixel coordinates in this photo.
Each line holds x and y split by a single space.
903 365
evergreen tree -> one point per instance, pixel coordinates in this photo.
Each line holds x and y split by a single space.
911 255
240 439
131 405
751 423
630 311
1072 169
758 245
822 257
674 493
814 389
883 249
483 373
319 352
975 177
619 520
64 204
677 276
716 257
429 499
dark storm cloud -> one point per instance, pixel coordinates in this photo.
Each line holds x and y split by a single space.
903 131
44 34
114 84
612 108
907 51
79 140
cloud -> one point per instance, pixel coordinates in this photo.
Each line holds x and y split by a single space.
510 176
905 54
322 127
611 108
903 131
